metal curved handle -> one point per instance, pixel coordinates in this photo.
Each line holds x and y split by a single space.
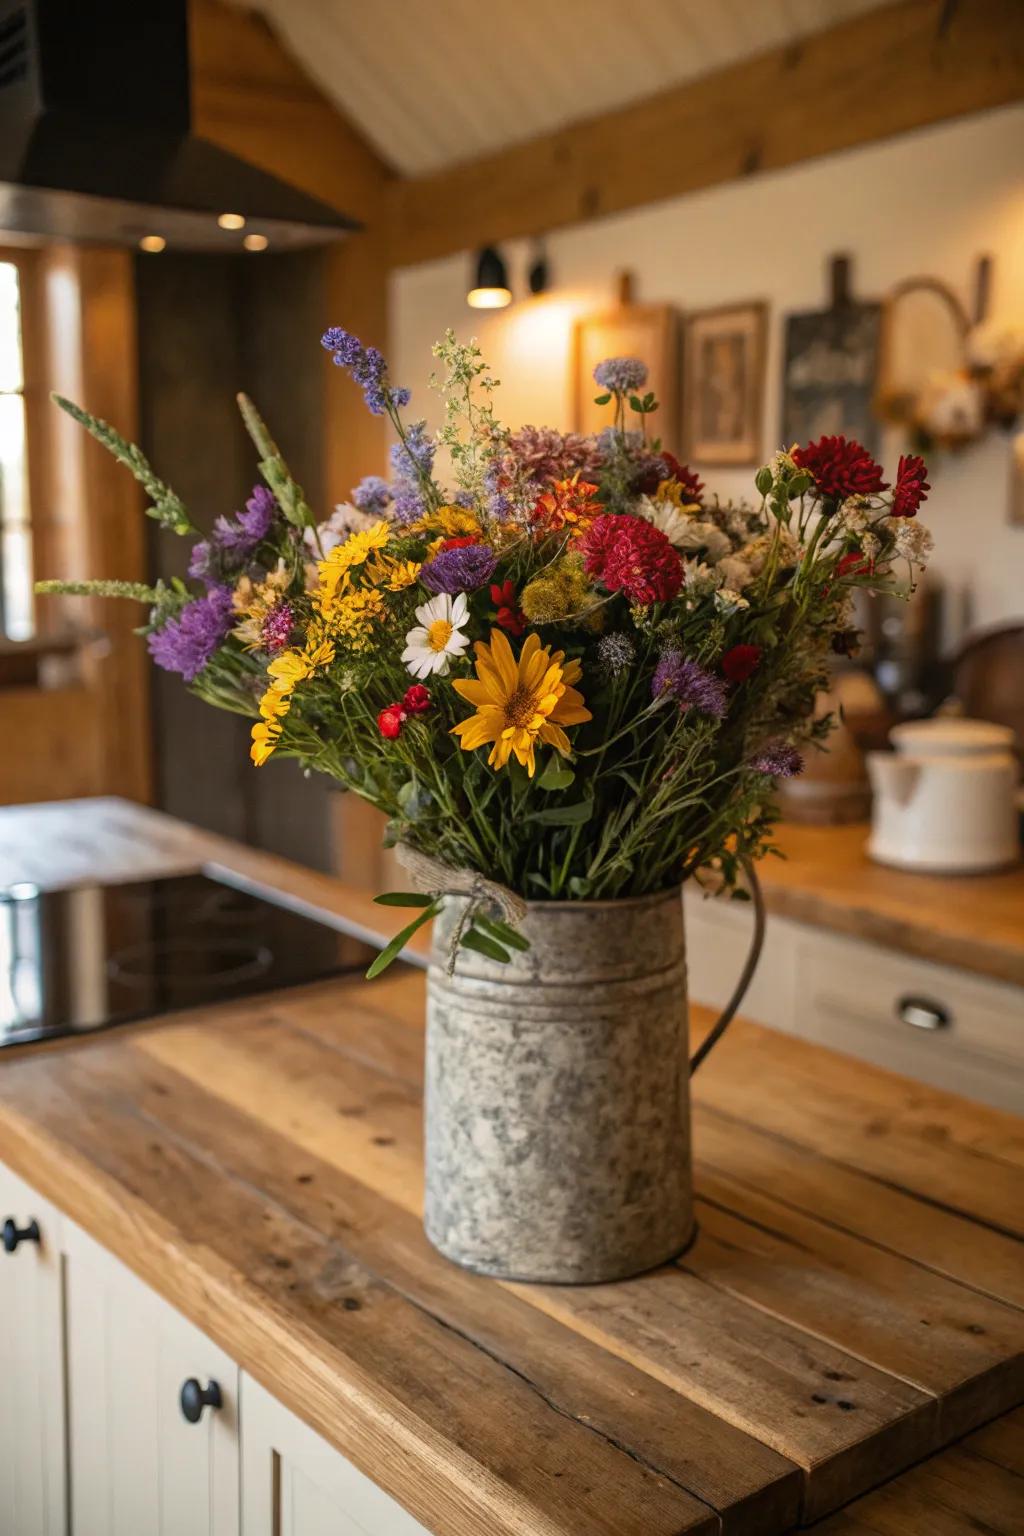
13 1234
731 1008
195 1398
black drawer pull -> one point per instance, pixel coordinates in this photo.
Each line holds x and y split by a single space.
923 1013
195 1398
13 1234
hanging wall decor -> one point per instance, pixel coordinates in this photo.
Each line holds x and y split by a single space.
723 384
831 364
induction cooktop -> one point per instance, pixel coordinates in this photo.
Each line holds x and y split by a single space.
85 959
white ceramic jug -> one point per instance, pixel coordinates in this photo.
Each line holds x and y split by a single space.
946 798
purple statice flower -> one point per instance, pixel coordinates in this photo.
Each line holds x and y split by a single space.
200 562
187 641
621 375
277 627
689 684
408 504
367 367
459 570
777 759
415 455
372 494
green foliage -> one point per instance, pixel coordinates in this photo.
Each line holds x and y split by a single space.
273 468
167 508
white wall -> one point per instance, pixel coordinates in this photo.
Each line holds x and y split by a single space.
927 203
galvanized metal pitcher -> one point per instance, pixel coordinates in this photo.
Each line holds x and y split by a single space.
557 1094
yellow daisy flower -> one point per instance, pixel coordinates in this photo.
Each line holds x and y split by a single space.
355 551
391 574
266 733
519 703
449 522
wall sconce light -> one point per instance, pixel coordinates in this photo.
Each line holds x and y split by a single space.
491 290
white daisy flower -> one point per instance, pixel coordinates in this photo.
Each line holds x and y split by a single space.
438 636
669 519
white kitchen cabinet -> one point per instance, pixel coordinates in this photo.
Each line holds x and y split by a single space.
137 1466
295 1484
32 1462
718 935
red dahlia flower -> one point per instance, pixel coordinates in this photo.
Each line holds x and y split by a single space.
390 721
840 467
416 700
630 555
740 662
510 616
911 486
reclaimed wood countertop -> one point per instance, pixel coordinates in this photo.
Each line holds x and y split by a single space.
854 1300
827 880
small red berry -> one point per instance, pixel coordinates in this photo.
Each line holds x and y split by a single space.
417 699
390 721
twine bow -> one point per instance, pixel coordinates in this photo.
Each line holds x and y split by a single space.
435 878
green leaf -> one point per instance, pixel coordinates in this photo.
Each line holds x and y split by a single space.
636 404
502 932
556 774
580 886
563 815
403 899
394 949
601 399
485 946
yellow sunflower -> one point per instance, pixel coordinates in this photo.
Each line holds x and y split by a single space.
519 703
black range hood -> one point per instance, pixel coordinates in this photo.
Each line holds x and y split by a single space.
96 140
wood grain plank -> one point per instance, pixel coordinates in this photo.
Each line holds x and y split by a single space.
465 1443
962 1347
753 1489
957 1155
854 1202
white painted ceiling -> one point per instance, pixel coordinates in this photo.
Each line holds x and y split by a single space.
433 82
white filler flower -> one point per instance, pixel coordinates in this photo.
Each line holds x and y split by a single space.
438 636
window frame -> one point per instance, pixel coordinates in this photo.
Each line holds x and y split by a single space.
34 394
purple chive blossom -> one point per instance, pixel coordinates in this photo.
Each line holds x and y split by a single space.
778 760
621 375
277 627
187 641
367 367
459 570
372 494
689 685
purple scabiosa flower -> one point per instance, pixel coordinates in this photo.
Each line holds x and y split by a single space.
689 684
187 641
777 759
277 627
620 375
372 494
616 653
459 570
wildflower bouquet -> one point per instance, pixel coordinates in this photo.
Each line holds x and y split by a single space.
569 670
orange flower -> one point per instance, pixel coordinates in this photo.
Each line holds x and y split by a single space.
569 504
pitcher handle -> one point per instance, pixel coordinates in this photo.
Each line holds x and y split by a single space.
731 1008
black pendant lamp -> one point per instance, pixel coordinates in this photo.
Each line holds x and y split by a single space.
491 290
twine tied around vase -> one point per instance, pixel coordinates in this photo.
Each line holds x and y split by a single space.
436 878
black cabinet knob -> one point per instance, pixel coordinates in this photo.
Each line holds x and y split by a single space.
195 1398
13 1234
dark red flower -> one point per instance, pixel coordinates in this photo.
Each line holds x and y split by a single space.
855 564
840 467
739 662
416 700
509 616
911 486
390 721
463 541
630 555
667 467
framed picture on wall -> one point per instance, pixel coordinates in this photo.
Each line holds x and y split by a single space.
831 369
647 331
723 384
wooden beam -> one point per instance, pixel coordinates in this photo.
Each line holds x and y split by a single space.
898 68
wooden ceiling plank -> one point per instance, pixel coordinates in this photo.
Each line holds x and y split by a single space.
885 72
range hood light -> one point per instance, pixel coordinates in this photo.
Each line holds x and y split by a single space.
152 243
231 221
255 242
